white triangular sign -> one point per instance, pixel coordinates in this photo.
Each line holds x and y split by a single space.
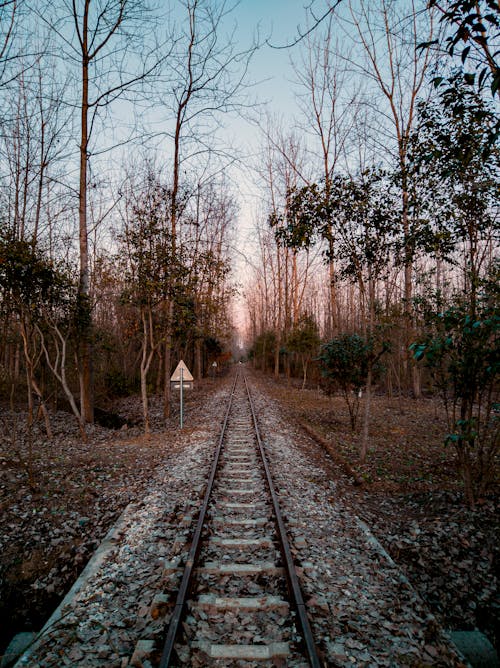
186 374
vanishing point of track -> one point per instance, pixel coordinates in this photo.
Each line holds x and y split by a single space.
239 601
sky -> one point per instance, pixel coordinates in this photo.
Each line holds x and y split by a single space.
278 22
270 69
271 72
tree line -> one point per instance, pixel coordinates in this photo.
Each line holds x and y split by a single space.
377 237
379 240
116 217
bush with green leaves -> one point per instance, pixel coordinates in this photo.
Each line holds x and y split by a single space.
30 281
344 364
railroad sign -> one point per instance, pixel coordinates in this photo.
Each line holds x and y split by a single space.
181 380
181 372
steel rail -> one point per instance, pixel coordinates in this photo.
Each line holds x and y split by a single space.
295 590
174 624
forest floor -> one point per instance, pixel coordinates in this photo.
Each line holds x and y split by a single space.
412 499
57 507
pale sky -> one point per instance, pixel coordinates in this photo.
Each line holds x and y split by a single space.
270 68
277 20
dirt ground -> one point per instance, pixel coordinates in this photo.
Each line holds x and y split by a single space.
58 504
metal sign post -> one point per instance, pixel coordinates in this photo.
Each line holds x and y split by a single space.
181 380
182 397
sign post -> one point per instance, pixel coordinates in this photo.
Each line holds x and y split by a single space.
182 398
181 380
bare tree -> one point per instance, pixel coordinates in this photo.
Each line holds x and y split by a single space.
313 22
31 143
10 11
32 147
205 242
329 102
207 75
99 38
282 274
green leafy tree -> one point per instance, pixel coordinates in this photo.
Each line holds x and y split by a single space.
42 296
462 352
152 271
455 160
344 363
473 29
362 213
456 165
262 349
359 211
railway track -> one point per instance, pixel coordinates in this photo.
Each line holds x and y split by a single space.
207 559
239 602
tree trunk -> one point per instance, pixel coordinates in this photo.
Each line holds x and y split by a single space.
147 334
332 292
167 397
144 391
85 326
369 333
198 372
277 355
29 369
43 409
159 375
366 421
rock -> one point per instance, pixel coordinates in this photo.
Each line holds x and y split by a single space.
143 651
19 644
476 648
103 651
